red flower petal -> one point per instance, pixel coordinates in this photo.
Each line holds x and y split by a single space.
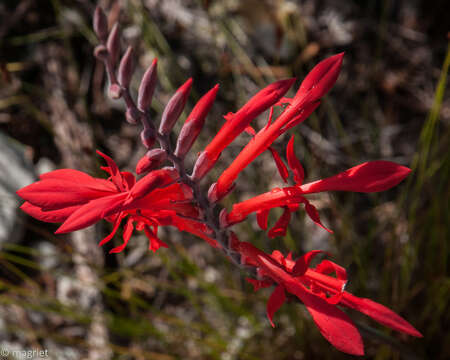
50 216
127 232
379 313
52 194
329 267
302 264
154 242
237 122
116 176
372 176
277 299
280 227
314 215
282 169
89 213
334 325
117 222
294 163
262 217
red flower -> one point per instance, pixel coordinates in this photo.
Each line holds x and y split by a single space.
316 84
372 176
78 200
320 293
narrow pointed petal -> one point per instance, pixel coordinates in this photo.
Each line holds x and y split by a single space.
117 222
314 215
282 169
334 324
280 227
89 213
294 163
302 264
53 194
127 232
372 176
277 299
153 180
262 217
50 216
116 176
154 242
380 313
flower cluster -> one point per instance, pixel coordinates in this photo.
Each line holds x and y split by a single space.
169 196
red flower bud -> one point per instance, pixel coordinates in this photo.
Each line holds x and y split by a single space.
147 87
151 160
126 68
174 108
194 122
100 52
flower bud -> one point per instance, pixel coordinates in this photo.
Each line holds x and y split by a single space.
115 92
147 87
194 122
151 160
202 166
100 52
100 24
148 137
174 108
126 68
132 115
113 44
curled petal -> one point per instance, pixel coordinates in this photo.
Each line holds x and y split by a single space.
379 313
280 227
294 163
127 232
282 169
314 215
117 222
302 264
277 299
329 267
372 176
116 176
262 217
154 242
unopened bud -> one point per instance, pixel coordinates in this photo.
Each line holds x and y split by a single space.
115 92
100 52
194 122
132 115
100 24
223 218
126 68
113 44
202 166
147 87
151 160
148 137
214 196
174 108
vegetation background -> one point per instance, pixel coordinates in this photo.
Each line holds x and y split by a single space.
64 294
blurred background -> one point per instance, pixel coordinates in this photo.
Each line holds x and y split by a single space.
66 295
